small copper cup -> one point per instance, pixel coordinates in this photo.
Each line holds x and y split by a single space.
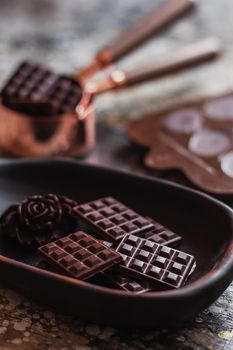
73 134
70 134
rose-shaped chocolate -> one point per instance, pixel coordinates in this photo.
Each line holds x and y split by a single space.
39 219
40 213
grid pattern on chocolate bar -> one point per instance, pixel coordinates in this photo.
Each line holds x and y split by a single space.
79 255
163 266
108 278
162 235
34 84
112 219
123 282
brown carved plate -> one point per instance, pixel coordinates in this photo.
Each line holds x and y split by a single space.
204 223
195 138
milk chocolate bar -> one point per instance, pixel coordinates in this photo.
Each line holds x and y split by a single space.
79 255
34 89
112 219
162 266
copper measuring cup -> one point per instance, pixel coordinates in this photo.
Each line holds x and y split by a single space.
73 134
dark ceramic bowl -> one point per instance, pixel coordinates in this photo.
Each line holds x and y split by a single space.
204 223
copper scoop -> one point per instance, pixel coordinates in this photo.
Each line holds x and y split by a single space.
73 133
135 35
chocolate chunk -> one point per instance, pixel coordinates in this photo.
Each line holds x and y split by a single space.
163 267
90 257
34 89
39 219
123 282
162 235
112 219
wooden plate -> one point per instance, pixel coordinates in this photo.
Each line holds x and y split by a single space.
204 223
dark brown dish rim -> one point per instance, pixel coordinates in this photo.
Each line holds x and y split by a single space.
160 308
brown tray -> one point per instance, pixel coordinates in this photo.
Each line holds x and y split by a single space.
204 223
191 138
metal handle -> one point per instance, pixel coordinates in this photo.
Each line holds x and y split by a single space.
188 56
149 25
134 36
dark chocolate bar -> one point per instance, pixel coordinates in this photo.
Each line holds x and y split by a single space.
34 89
162 235
79 255
123 282
112 219
109 278
162 266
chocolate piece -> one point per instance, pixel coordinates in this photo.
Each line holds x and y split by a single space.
124 282
112 219
162 266
121 281
162 235
109 278
34 89
39 219
79 255
159 234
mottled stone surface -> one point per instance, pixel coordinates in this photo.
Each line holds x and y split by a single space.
66 34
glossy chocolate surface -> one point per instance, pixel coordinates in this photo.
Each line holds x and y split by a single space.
162 235
79 255
34 89
112 219
163 266
121 281
117 280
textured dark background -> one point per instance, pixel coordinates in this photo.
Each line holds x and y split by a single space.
65 34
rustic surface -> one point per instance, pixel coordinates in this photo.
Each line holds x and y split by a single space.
66 34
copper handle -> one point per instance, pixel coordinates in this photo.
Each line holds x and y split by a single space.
149 25
134 36
190 55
